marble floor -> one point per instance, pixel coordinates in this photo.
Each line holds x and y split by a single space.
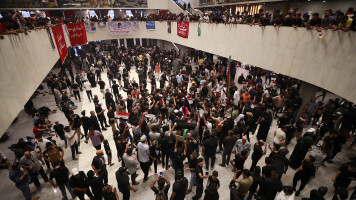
23 127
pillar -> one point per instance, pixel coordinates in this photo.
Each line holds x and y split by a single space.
125 43
141 42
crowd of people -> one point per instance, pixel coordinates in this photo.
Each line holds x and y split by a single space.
15 23
181 114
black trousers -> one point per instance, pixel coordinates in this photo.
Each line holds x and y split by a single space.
299 176
34 177
199 190
116 95
76 94
154 164
103 121
145 168
165 158
80 195
89 94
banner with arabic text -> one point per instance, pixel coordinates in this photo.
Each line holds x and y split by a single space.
120 28
183 29
77 34
60 41
135 26
150 25
102 25
90 27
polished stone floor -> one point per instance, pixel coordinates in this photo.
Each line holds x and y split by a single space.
24 127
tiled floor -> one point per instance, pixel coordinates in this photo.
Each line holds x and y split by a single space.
24 127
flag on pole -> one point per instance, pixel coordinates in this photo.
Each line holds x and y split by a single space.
199 31
228 79
122 115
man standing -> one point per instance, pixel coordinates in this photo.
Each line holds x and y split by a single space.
180 186
200 179
21 180
100 113
123 183
79 182
162 191
72 141
209 151
279 137
305 172
131 164
310 109
242 144
87 87
228 143
257 153
115 90
112 119
99 166
53 154
33 166
75 88
61 175
96 138
102 87
59 129
143 151
244 184
85 123
94 121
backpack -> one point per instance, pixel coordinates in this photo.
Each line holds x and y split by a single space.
161 195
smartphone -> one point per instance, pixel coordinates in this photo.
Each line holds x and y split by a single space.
160 174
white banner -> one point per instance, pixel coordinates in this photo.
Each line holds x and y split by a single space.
120 28
135 26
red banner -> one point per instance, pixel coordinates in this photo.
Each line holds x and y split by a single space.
183 29
77 34
60 41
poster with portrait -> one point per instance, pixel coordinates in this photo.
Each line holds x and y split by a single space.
90 27
58 35
120 28
135 26
102 25
183 29
169 25
150 25
77 34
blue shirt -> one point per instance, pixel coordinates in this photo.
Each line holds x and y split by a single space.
15 177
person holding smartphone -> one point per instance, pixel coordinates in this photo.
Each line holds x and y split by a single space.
161 191
200 180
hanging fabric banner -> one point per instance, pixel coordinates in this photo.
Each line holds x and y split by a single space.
150 25
169 25
90 27
199 30
135 26
50 37
102 25
183 29
120 28
77 34
60 41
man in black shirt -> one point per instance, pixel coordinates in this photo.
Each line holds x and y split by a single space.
270 186
112 119
239 162
94 121
75 88
200 179
344 176
257 153
102 87
180 186
209 151
123 183
59 129
305 172
85 123
266 170
61 174
100 113
115 89
96 185
99 166
78 181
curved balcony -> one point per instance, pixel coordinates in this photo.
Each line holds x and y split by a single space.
329 63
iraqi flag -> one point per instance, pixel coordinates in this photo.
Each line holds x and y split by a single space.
122 115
